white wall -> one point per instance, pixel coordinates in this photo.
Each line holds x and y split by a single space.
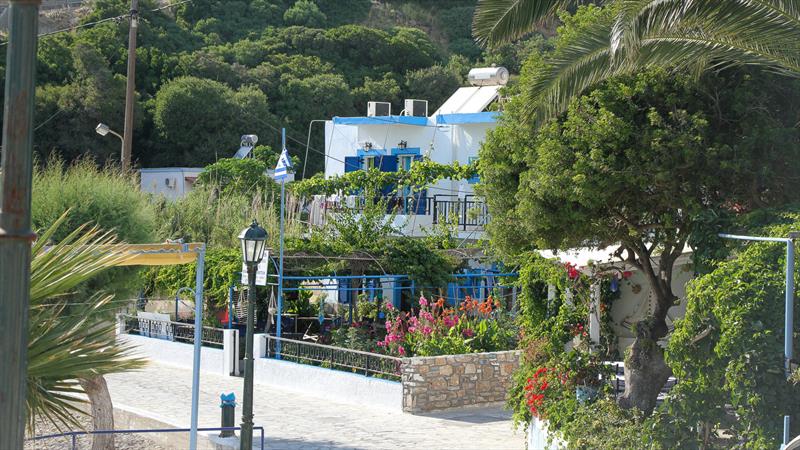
175 353
153 181
330 384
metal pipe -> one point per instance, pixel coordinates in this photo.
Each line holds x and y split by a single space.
15 217
198 337
246 440
280 259
788 326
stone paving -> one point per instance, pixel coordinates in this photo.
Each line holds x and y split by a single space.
297 421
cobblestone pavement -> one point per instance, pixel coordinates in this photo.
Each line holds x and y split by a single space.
297 421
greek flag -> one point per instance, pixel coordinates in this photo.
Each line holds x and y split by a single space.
283 166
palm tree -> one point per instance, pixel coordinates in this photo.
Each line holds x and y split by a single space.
71 341
709 34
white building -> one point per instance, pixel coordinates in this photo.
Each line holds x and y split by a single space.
171 182
389 143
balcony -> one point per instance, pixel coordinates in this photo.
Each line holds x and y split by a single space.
468 214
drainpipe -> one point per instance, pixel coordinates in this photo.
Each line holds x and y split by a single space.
15 217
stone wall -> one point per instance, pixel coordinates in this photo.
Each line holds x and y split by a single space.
453 381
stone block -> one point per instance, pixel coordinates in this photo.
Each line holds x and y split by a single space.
469 368
446 370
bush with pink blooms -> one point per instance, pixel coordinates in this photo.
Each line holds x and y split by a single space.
437 328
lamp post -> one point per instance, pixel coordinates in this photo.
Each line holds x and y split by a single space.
103 130
253 242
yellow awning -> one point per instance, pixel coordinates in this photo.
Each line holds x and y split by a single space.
160 254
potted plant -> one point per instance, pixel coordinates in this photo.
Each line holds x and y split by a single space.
586 372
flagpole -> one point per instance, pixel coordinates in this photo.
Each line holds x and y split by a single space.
280 260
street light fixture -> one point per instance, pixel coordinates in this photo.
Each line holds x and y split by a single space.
254 240
103 130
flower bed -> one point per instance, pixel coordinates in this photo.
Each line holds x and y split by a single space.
433 329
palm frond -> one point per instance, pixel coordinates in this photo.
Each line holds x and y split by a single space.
671 34
70 338
500 21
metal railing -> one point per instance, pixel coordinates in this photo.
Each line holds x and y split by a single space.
73 435
172 331
469 212
337 358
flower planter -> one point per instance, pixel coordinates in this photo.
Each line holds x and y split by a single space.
538 437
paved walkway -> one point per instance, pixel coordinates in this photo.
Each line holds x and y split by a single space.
298 421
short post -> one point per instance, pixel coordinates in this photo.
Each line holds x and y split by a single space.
228 409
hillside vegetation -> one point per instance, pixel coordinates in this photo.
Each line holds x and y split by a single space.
209 71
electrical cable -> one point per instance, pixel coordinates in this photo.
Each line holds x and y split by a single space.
97 22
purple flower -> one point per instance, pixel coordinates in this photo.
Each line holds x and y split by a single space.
469 333
426 330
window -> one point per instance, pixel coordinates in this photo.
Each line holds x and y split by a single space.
369 162
405 162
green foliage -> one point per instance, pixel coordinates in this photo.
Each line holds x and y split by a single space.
105 197
201 119
223 268
435 84
422 174
70 337
424 265
727 351
305 13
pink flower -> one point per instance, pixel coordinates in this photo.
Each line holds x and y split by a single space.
469 333
388 325
412 329
389 307
413 321
401 350
381 344
423 301
427 316
450 321
427 330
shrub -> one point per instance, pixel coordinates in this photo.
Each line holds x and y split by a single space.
107 197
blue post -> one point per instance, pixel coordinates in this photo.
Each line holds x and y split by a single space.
280 260
788 332
198 336
788 326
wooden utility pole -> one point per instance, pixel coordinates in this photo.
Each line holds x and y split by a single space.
130 92
15 218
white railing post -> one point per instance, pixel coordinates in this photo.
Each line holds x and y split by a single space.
230 351
260 345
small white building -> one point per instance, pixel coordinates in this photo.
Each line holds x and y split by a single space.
389 143
171 182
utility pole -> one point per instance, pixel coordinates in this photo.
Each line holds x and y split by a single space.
130 93
15 218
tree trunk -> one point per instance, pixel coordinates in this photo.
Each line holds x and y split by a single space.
646 372
102 411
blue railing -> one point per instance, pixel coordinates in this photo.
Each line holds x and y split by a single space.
73 435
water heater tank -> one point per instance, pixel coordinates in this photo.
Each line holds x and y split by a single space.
488 76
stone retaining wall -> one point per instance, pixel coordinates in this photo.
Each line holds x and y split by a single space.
453 381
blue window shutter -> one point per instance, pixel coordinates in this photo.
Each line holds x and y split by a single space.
352 163
388 163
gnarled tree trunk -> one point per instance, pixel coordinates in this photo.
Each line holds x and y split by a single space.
646 371
102 411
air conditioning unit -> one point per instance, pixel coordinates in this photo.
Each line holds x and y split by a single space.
379 109
416 108
170 182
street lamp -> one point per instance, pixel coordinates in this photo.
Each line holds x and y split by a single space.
253 242
103 130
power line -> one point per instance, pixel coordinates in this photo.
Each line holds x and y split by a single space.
97 22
